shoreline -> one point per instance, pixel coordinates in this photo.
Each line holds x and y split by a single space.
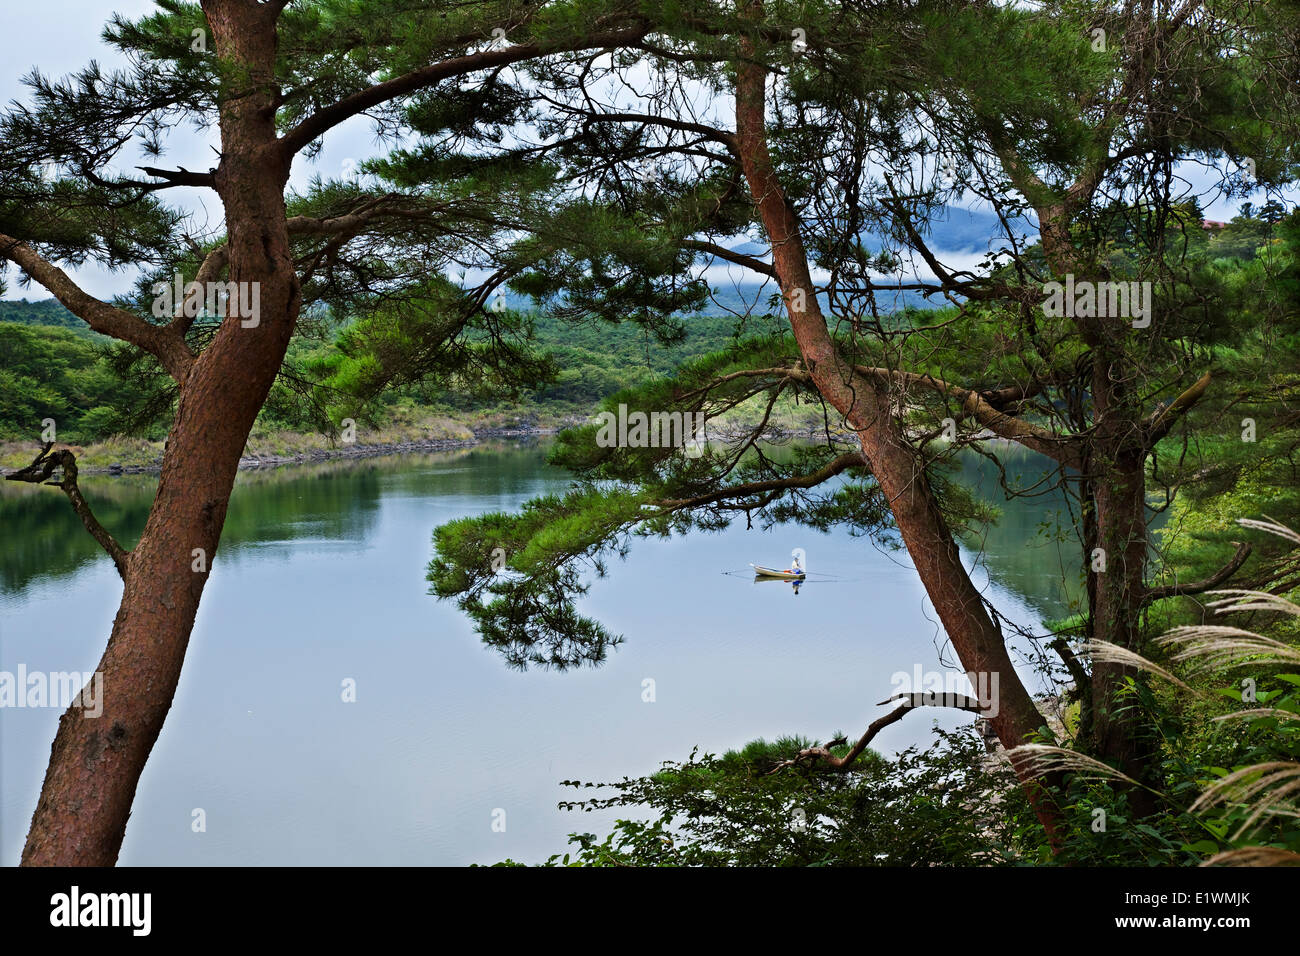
353 450
359 450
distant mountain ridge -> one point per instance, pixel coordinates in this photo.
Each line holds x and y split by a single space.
41 312
957 230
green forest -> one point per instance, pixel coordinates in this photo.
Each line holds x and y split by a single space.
53 366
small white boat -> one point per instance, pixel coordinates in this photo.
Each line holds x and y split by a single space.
786 575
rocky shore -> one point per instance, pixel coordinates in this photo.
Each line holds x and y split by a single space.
342 450
91 458
360 450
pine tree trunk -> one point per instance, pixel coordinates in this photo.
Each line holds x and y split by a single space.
96 763
978 642
1121 733
1115 531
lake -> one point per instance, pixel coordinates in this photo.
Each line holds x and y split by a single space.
321 579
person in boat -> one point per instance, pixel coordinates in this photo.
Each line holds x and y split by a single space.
795 566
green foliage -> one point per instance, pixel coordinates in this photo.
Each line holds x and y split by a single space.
516 576
52 372
41 312
948 805
1228 755
1238 455
365 368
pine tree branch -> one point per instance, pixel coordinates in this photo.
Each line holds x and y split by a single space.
39 472
1159 424
326 118
721 252
811 480
160 341
725 137
176 177
1064 449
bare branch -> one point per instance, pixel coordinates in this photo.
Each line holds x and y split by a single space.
1064 449
1213 581
721 252
910 701
178 177
1158 425
1082 681
209 271
39 472
725 137
811 480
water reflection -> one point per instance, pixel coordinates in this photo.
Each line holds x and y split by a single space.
766 579
320 580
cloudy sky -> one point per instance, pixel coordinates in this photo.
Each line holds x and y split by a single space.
61 36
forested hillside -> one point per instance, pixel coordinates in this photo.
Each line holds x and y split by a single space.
53 366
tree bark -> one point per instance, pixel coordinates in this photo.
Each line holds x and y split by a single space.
865 404
96 763
1120 732
1113 491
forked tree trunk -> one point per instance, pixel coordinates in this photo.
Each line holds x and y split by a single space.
96 763
1115 532
975 637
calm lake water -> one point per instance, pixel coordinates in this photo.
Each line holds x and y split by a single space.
321 578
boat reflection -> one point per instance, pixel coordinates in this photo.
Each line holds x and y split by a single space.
768 579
